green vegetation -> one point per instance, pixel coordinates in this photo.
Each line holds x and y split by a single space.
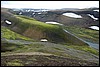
25 17
26 22
6 46
87 34
84 48
63 44
15 62
35 47
46 48
8 34
53 33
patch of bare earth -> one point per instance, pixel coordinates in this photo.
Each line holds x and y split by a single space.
34 33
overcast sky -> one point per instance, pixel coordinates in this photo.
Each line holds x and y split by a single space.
49 4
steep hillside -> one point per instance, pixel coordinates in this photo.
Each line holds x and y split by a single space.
21 43
8 34
37 30
84 33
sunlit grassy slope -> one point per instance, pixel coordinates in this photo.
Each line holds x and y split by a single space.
26 26
87 34
37 30
51 32
8 34
37 47
31 22
29 27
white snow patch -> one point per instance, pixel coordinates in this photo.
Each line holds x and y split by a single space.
8 22
96 10
33 13
94 27
44 40
20 13
53 23
72 15
92 17
39 13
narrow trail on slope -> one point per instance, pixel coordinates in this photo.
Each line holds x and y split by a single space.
93 45
27 53
63 50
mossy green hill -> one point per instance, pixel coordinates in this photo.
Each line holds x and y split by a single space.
37 30
21 46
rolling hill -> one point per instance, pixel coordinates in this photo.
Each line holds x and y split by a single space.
22 39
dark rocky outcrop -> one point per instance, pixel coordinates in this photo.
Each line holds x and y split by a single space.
57 16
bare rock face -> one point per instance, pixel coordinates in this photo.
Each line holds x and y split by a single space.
57 15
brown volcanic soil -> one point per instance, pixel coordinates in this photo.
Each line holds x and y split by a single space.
44 60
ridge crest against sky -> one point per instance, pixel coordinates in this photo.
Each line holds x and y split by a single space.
49 4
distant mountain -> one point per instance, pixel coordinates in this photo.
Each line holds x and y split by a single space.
45 15
69 8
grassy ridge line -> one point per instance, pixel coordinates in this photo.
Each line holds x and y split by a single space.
53 32
34 22
24 23
27 53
